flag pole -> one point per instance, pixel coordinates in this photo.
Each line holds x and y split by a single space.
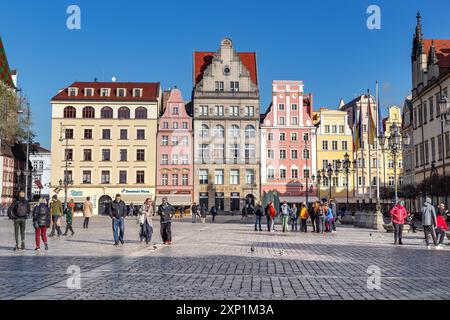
369 129
377 94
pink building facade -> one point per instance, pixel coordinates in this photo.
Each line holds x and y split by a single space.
174 152
288 141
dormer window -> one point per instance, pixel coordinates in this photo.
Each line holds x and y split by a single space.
104 92
88 92
175 111
121 92
73 92
137 93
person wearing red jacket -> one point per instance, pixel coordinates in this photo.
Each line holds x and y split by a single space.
272 214
441 228
399 214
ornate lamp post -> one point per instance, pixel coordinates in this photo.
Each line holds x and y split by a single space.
318 180
444 106
66 181
329 175
346 168
394 147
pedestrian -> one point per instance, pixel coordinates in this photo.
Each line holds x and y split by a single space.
313 215
285 216
87 212
68 213
303 218
166 212
320 218
244 213
335 215
399 214
145 221
272 215
294 217
194 212
441 210
19 212
429 222
41 221
267 214
329 218
56 212
441 228
259 213
117 211
131 209
203 212
213 212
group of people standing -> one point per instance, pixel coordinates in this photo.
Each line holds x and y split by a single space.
202 212
323 216
433 222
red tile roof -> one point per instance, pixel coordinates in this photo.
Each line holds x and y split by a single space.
442 51
150 91
203 59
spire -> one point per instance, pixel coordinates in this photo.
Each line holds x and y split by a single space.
419 34
432 57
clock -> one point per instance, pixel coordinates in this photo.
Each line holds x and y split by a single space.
226 70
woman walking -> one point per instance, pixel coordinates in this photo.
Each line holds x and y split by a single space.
399 214
145 221
41 221
68 213
87 212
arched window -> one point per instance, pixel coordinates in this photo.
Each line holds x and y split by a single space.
204 131
234 131
141 113
124 113
249 131
70 112
106 113
88 112
219 131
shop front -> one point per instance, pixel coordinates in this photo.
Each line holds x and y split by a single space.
177 198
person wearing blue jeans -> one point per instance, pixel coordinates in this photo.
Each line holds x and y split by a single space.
117 210
259 212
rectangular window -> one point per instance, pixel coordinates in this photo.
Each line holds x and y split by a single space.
185 179
327 129
281 106
175 125
270 154
165 179
341 129
249 152
293 136
184 159
204 151
425 114
87 155
438 110
121 92
391 181
427 153
282 154
219 86
270 137
165 140
68 133
281 120
203 175
185 141
106 155
440 148
175 111
234 148
234 176
249 176
218 177
333 129
185 125
282 136
87 178
204 110
294 107
219 151
69 154
345 145
68 175
431 107
123 134
140 134
106 134
87 134
140 155
175 141
165 125
294 120
294 154
123 155
174 179
234 86
72 92
219 111
270 173
140 176
324 164
433 150
334 145
324 145
234 111
137 93
122 177
250 111
447 145
282 173
294 173
105 179
306 174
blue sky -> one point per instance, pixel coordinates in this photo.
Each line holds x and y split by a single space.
324 43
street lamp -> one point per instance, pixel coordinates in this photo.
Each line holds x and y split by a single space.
27 165
66 181
330 175
346 167
394 147
319 180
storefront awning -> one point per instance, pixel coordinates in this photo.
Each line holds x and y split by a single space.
298 199
175 200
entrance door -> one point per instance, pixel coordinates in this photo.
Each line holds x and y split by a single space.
204 200
250 200
103 204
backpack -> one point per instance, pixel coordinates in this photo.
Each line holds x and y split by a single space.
21 210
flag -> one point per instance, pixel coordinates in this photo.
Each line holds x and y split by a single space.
380 119
372 128
357 128
355 135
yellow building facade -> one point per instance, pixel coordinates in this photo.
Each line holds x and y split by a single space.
334 141
104 142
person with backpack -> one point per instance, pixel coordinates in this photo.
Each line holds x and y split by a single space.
18 212
285 211
294 217
303 218
429 222
56 212
259 213
399 214
41 221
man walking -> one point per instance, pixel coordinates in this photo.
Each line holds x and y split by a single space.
118 212
19 212
56 212
194 212
213 213
166 212
285 211
259 213
87 212
429 222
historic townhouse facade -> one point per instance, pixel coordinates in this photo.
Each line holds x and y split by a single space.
366 157
41 159
175 151
288 143
226 128
430 84
104 141
334 141
408 150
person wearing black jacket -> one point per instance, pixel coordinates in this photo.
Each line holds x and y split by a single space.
41 221
267 214
18 212
118 211
259 213
166 211
194 212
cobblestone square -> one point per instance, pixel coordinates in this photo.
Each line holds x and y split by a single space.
224 260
